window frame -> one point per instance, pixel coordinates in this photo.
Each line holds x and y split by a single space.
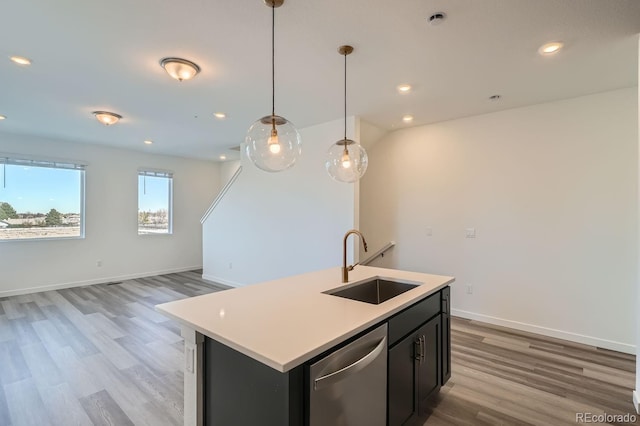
10 159
151 172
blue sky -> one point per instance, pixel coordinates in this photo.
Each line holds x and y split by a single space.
40 189
153 193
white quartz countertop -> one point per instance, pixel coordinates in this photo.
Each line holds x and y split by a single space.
285 322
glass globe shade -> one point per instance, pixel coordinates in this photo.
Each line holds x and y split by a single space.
346 166
273 148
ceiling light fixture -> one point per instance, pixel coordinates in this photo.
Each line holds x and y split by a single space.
148 142
21 60
272 143
404 88
550 48
436 18
223 157
220 115
407 118
3 117
346 160
495 97
180 69
107 118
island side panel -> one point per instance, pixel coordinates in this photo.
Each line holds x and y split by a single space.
193 383
241 391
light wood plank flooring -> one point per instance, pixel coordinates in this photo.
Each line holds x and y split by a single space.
502 376
101 355
95 355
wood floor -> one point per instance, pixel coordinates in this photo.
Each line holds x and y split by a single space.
95 355
101 355
502 376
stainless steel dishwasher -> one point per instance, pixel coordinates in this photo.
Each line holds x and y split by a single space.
349 386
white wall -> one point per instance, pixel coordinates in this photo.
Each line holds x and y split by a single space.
227 170
271 225
551 190
111 220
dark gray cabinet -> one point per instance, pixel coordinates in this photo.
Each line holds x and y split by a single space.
446 334
414 372
419 356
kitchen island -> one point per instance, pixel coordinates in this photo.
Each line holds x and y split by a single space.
246 348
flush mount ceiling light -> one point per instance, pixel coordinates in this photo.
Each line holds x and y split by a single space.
107 118
404 88
180 69
346 160
3 117
220 115
272 143
20 60
550 48
148 142
223 157
437 18
407 118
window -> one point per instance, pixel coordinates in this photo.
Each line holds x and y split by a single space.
155 199
41 199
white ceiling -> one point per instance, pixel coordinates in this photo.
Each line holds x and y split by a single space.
105 56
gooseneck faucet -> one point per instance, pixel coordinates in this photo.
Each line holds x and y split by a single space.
345 268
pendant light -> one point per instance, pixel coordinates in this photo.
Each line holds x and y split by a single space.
346 160
272 143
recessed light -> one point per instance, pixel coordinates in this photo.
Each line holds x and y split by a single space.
148 142
220 115
107 118
436 18
407 118
550 48
21 60
3 117
223 157
404 88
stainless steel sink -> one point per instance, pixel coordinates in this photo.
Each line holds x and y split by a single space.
374 291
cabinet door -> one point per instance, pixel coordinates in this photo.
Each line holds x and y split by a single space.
428 362
402 380
446 335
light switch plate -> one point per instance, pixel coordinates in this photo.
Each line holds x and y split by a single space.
471 232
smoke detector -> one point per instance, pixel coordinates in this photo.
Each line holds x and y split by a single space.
437 18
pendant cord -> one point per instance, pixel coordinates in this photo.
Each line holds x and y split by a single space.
273 66
345 101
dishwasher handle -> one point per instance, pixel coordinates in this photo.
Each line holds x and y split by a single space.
357 366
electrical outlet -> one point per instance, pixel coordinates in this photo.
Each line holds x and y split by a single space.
230 265
471 232
189 358
429 231
469 289
99 263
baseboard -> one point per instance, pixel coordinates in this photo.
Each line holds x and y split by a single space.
221 281
101 280
636 402
560 334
